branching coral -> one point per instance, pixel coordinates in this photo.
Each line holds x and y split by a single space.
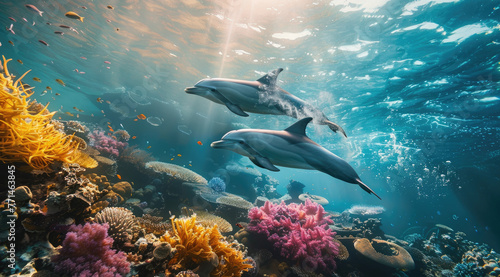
297 232
196 244
86 251
30 136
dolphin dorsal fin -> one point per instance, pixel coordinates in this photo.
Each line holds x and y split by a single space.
270 78
299 127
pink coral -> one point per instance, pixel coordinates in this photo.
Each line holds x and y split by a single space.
86 251
297 232
106 144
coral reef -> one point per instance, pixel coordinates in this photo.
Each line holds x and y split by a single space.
234 201
209 220
196 244
153 224
106 144
86 251
297 232
30 137
294 189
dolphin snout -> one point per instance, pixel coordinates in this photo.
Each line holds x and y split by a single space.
195 90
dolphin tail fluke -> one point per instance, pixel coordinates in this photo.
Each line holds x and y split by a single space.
366 188
335 127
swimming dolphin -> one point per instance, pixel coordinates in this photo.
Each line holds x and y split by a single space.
289 148
263 96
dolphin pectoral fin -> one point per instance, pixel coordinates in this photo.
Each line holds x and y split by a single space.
235 109
335 127
263 162
366 188
258 159
230 105
270 78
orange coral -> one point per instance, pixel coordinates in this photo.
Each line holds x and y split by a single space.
196 244
30 136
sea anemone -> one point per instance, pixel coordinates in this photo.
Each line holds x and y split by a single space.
31 137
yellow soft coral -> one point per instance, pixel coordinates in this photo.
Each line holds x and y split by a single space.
31 137
196 244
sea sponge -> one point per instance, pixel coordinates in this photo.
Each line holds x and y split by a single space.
385 253
196 244
30 137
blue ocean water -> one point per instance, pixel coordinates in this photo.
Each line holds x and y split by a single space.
413 83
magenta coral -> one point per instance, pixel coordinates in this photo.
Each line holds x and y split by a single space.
106 144
297 232
86 251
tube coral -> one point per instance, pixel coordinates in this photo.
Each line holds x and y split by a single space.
196 244
31 136
297 232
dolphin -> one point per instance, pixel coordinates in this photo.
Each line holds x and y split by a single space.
289 148
263 96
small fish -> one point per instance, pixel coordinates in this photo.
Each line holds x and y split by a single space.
134 137
61 82
78 110
141 116
74 15
135 119
43 42
83 7
43 93
108 62
200 143
36 79
65 26
110 7
102 111
10 29
99 100
33 8
70 114
48 23
108 102
82 72
76 70
11 43
108 20
118 176
117 29
58 94
13 19
148 147
19 61
83 58
49 88
25 20
179 155
59 33
239 225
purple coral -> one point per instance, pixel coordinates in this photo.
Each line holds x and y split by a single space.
106 144
297 232
86 251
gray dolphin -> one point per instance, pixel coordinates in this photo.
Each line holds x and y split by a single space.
289 148
263 96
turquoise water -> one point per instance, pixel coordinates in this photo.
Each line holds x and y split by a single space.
413 83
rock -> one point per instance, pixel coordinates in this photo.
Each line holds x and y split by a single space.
22 195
